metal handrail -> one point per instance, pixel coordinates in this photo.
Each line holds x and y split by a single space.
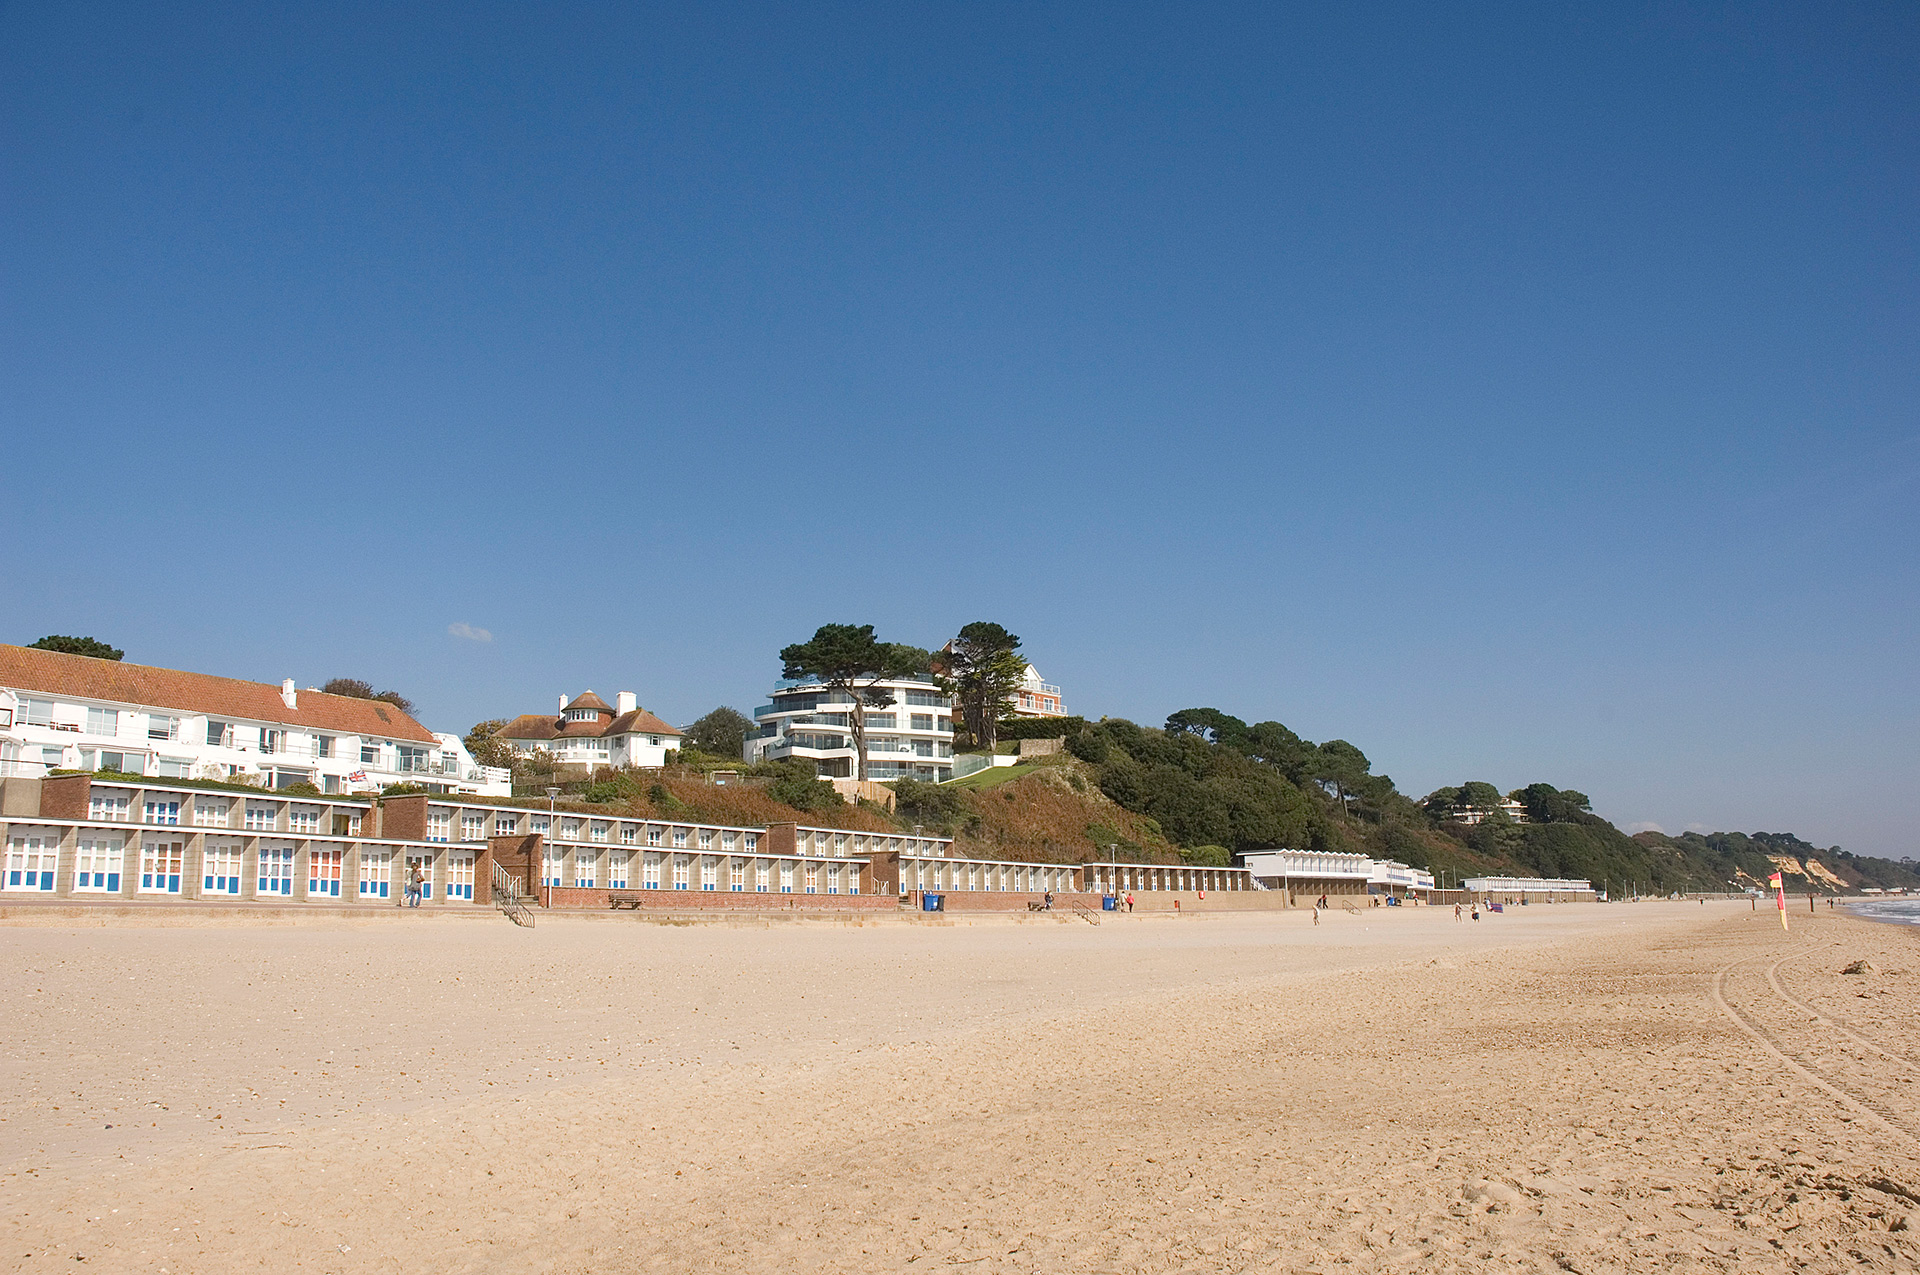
507 897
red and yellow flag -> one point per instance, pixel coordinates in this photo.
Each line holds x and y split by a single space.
1779 897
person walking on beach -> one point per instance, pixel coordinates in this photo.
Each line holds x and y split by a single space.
1456 911
1129 900
1316 914
1476 911
415 880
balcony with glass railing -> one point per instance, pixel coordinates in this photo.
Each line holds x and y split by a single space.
792 683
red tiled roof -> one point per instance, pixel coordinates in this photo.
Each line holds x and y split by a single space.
640 722
531 726
536 726
84 677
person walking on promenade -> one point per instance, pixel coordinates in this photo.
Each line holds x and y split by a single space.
415 880
1129 900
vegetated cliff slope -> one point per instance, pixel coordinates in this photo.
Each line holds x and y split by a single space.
1055 814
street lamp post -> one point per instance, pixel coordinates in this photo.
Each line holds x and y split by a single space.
552 793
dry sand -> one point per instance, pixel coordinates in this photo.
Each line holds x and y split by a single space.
1582 1088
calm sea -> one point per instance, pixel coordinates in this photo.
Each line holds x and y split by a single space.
1897 911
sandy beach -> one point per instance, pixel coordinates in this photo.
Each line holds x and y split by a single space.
1585 1088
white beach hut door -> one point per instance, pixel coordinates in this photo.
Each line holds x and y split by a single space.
98 862
375 871
276 869
160 863
460 876
31 859
220 868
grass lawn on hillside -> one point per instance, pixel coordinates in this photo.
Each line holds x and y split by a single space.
992 777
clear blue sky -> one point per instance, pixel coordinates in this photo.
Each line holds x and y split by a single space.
1522 395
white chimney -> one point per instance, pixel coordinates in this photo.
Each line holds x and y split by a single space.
288 695
563 703
626 702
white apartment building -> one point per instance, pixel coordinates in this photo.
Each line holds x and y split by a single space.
910 739
1471 815
589 733
75 712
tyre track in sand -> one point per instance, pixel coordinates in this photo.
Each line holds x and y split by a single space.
1776 1040
1832 1022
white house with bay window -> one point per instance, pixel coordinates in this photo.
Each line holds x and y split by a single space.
74 712
912 738
589 733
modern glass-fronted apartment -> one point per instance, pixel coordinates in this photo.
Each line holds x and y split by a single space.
912 738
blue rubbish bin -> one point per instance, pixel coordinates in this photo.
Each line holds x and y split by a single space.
1109 904
933 903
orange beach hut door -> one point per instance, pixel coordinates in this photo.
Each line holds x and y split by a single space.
323 873
160 862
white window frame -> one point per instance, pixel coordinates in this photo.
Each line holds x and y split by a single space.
110 807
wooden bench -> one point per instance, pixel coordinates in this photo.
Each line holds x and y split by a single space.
623 899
